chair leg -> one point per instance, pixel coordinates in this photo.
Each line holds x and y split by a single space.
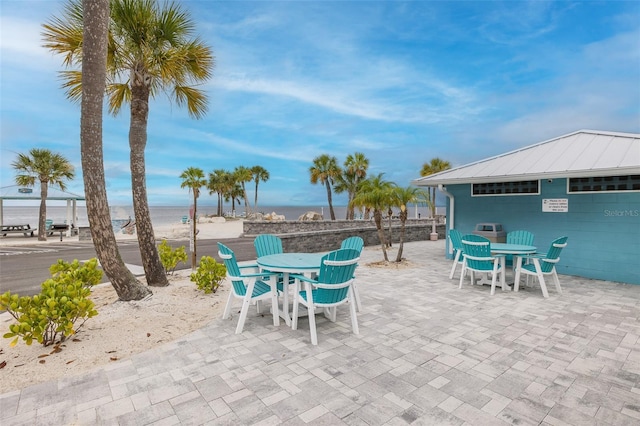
456 259
462 273
312 321
356 296
556 280
352 309
227 309
243 313
540 275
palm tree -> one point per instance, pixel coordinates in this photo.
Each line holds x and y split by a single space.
48 168
243 175
325 170
374 193
151 49
93 88
436 165
234 194
355 170
259 174
193 178
400 198
218 182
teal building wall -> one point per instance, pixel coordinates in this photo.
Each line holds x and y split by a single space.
603 228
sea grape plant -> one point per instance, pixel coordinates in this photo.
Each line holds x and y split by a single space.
170 257
209 275
61 308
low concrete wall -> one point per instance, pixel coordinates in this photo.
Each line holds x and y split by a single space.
84 233
327 235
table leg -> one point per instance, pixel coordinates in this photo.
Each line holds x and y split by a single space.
285 300
516 284
503 266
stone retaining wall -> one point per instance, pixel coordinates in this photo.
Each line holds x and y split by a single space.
327 235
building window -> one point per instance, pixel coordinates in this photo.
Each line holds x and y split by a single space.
525 187
605 184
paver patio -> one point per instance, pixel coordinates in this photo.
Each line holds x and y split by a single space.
427 354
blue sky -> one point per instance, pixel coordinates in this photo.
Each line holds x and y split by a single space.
402 82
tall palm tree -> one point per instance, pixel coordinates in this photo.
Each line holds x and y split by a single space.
48 168
355 170
242 175
374 193
400 198
151 50
96 21
259 174
218 182
193 178
234 194
325 170
436 165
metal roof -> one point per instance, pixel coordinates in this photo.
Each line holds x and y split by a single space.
583 153
15 192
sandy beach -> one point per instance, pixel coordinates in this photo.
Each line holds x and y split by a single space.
207 227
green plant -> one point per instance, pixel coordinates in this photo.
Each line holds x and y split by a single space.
170 257
53 313
209 275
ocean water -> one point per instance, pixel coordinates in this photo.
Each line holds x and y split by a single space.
166 215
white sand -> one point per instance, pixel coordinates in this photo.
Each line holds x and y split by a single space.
121 329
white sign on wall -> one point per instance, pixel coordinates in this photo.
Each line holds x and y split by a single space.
555 205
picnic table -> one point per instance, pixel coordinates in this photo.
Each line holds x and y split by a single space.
18 229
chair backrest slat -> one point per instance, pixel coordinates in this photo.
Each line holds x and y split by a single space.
355 243
477 252
267 244
520 237
553 254
340 273
456 239
233 270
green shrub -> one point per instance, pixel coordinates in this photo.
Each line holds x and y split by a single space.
209 275
53 313
170 257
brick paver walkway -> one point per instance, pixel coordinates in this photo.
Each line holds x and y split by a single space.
427 354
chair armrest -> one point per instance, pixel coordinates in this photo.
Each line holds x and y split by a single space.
259 274
303 278
251 265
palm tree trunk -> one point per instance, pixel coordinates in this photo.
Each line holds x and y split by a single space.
96 15
403 220
377 217
42 215
331 212
255 199
195 232
433 202
153 269
390 243
247 207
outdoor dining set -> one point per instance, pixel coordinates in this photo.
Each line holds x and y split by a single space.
321 282
477 253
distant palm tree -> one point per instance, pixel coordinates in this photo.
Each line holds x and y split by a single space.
375 195
353 172
151 50
259 174
242 175
193 178
234 194
48 168
400 198
436 165
325 170
219 184
96 23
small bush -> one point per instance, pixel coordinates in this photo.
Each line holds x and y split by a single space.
53 313
171 257
209 275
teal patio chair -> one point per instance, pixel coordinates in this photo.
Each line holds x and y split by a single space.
332 288
47 227
249 287
456 244
524 238
267 244
355 243
477 258
543 264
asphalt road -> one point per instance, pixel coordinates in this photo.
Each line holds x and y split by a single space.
23 268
